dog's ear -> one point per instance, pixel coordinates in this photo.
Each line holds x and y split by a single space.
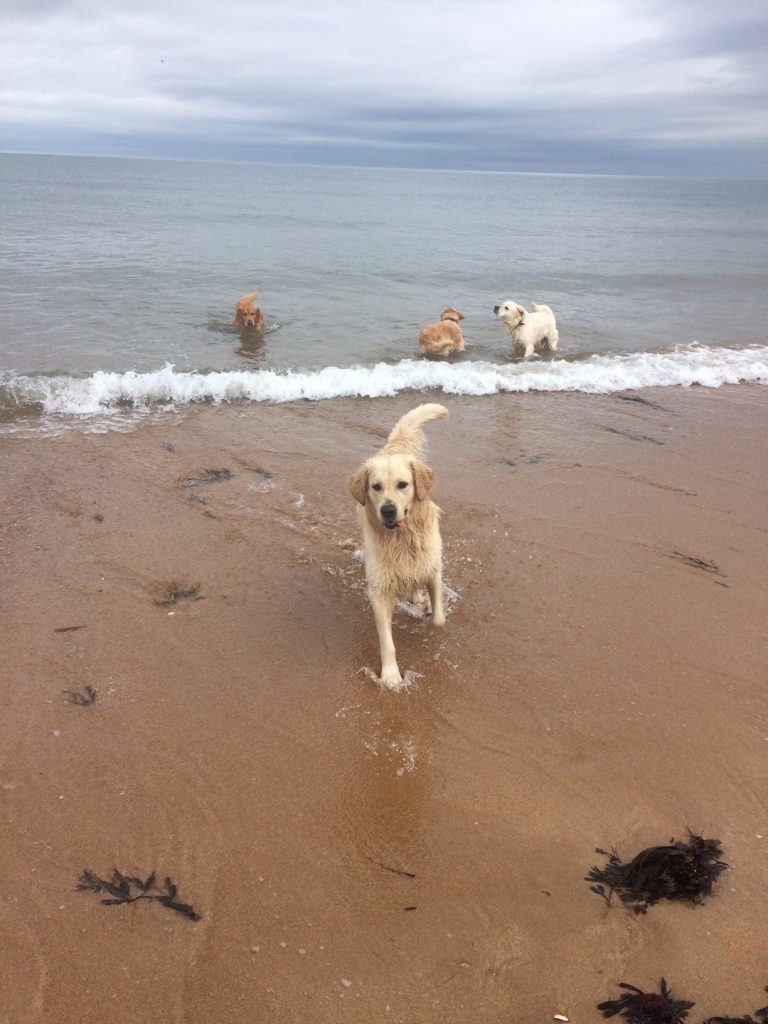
423 479
358 484
521 311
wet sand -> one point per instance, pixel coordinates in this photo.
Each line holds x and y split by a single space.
360 855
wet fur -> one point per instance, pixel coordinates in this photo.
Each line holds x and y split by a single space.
248 316
402 561
529 331
443 338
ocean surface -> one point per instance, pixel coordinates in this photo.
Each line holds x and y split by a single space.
118 280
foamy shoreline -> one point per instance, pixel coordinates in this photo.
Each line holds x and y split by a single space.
105 392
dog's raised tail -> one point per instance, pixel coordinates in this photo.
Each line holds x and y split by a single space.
246 300
407 436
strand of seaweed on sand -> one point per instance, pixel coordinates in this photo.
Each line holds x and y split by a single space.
125 889
84 699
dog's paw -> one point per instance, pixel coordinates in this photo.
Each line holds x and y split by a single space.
438 620
390 676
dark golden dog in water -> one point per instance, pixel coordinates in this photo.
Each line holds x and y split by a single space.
248 316
443 338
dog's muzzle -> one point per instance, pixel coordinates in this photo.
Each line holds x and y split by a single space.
389 515
496 310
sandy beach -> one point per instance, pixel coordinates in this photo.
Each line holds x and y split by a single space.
358 855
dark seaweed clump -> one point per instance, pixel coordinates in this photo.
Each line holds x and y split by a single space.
88 696
680 871
126 889
176 593
208 476
640 1007
760 1017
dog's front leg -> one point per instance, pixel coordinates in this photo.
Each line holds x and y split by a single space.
436 597
382 613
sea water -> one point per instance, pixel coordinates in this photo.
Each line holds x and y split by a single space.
118 279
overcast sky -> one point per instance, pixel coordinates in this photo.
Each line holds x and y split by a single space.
606 86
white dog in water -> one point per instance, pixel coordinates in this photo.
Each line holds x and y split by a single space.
528 331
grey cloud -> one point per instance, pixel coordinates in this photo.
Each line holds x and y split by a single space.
31 9
485 84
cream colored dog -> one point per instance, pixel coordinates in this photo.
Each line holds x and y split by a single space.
401 533
529 331
444 338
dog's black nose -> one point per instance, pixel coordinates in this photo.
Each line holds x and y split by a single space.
388 510
496 309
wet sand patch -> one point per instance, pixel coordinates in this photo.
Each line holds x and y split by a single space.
247 750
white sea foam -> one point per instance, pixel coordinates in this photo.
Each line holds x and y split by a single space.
598 374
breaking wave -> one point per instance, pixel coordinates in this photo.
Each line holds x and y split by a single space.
167 387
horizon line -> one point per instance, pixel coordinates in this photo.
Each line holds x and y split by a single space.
374 167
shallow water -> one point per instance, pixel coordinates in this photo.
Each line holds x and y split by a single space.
129 266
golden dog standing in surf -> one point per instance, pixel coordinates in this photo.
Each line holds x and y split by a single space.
401 531
443 338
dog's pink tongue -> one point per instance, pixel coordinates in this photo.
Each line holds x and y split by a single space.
400 523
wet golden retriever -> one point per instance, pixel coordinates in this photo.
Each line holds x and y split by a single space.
443 338
400 525
248 316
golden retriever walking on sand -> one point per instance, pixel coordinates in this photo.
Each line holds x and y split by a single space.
401 532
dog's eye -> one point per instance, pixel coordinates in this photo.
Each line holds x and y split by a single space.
376 487
401 485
